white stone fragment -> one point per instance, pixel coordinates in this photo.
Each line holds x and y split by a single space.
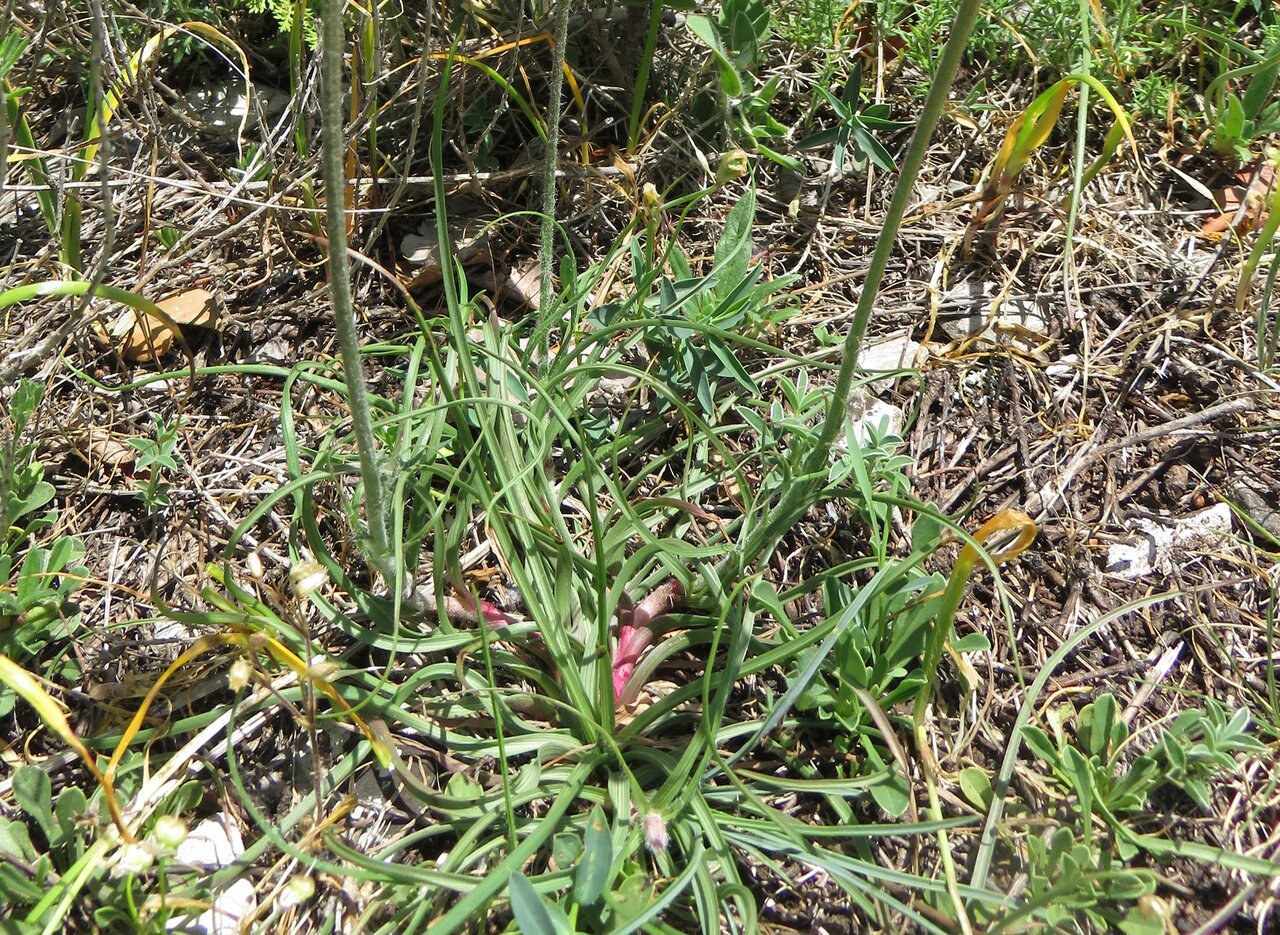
469 225
978 310
1156 547
1066 368
897 353
213 844
222 104
871 418
271 351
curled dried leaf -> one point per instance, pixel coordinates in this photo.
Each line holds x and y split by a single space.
148 339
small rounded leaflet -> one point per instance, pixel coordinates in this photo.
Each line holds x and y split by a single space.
149 337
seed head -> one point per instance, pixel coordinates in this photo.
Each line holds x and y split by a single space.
169 832
133 859
300 888
306 578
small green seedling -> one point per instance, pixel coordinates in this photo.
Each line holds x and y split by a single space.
854 136
156 456
602 895
28 866
734 41
1070 884
34 596
1240 121
689 343
49 845
168 237
36 580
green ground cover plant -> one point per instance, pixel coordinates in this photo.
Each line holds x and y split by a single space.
594 605
38 574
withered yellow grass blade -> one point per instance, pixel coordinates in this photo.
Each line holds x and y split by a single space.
31 691
1030 130
287 657
957 582
1026 134
26 685
1003 521
202 645
252 633
115 94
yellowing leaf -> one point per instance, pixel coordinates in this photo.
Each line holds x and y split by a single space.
28 687
200 646
1004 521
32 692
112 99
1029 132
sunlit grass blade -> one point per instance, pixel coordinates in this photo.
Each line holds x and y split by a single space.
1261 246
76 287
31 157
1003 522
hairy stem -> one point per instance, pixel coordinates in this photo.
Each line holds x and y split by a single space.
340 284
548 265
800 495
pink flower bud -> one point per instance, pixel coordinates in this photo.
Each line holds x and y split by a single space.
635 631
621 672
655 832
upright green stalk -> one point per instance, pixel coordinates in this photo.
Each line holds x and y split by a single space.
1070 284
934 103
642 76
376 516
296 68
799 496
548 264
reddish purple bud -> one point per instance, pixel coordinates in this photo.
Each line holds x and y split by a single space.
493 615
632 641
635 632
621 672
